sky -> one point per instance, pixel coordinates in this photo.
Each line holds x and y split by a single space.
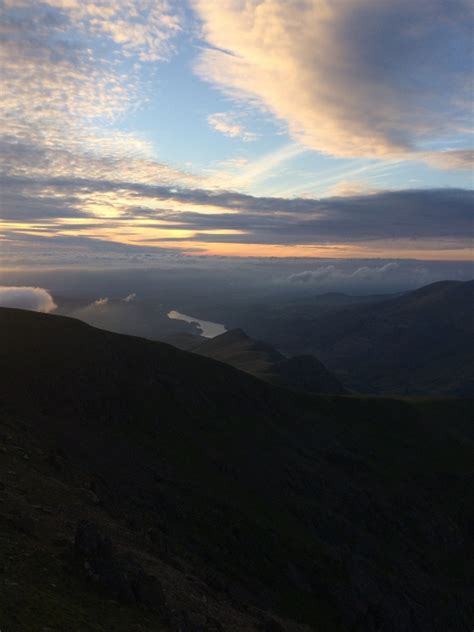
244 128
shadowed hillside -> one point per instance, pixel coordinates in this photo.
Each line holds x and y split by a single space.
304 373
149 488
418 343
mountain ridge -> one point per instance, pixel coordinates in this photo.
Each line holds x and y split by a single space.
258 358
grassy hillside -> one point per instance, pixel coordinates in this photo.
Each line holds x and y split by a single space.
253 506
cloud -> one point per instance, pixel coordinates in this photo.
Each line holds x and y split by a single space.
123 158
70 71
228 124
100 302
51 80
452 159
142 27
372 78
349 188
369 276
35 299
332 274
142 215
131 297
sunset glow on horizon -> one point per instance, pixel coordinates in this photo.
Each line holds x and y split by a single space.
249 129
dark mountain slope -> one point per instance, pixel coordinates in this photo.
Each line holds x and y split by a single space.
235 346
419 343
185 342
258 358
242 498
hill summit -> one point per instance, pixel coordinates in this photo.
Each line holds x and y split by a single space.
258 358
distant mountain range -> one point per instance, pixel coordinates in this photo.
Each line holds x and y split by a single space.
148 488
413 343
416 343
258 358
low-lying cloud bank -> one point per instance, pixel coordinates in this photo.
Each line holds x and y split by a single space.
362 277
333 273
36 299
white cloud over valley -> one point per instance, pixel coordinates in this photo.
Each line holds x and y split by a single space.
36 299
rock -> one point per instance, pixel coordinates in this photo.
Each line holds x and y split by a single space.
43 509
213 625
23 524
270 625
148 590
56 459
159 542
91 497
196 622
216 581
123 577
116 580
91 543
189 622
297 577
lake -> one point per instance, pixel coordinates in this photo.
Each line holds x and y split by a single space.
208 328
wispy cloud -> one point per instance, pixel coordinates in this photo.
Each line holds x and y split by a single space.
229 124
255 171
452 158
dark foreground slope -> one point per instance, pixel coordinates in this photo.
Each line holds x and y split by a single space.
419 343
258 358
250 505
